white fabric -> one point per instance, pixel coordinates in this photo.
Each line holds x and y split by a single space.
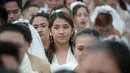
45 8
118 23
36 47
25 66
71 63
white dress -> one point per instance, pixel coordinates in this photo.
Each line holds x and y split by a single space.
71 63
25 66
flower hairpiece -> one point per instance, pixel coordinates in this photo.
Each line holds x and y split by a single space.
125 32
76 3
41 11
56 11
21 20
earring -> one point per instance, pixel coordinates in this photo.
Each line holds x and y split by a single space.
51 39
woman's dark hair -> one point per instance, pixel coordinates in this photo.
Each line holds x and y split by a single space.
51 49
103 19
18 27
86 31
65 71
122 4
3 16
61 6
119 51
75 9
40 14
19 2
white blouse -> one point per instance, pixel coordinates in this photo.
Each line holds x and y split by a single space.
71 63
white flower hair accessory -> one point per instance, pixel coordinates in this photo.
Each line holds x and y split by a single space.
75 4
21 20
56 11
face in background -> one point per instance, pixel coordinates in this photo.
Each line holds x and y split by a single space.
14 11
17 38
53 3
30 12
68 2
104 30
38 2
81 19
112 3
61 31
83 42
98 2
98 62
41 25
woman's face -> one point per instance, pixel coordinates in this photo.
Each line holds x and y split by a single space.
41 25
17 38
68 2
104 30
54 3
61 31
30 12
83 42
81 19
112 3
98 62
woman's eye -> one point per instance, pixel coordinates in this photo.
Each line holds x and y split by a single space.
66 27
35 27
55 27
80 49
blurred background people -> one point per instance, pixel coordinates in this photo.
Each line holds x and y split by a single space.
104 58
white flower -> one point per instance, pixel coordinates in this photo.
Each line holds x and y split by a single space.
21 20
57 11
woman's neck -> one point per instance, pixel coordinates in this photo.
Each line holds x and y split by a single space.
62 47
46 43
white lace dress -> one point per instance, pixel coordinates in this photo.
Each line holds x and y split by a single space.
71 63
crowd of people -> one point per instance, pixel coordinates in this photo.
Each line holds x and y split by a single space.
64 36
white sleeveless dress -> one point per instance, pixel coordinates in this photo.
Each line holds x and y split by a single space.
71 63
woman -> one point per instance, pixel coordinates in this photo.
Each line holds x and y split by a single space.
103 24
114 18
80 15
84 39
106 57
40 23
19 33
60 54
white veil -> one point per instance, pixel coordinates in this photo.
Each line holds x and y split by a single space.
36 47
118 23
